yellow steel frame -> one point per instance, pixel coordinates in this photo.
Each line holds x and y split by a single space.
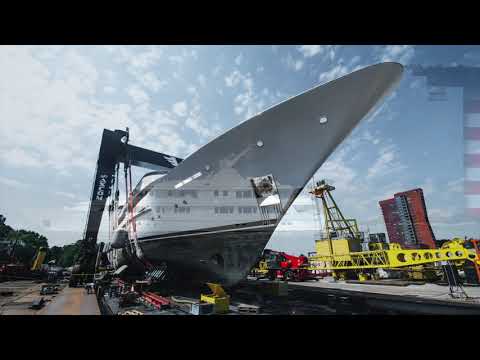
39 259
396 257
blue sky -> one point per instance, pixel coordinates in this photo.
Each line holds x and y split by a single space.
55 101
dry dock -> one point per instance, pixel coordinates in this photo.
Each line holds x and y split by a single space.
323 297
429 299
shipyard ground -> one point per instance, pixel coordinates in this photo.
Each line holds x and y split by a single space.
327 297
24 298
323 297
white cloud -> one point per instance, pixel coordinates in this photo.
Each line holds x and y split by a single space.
239 59
447 216
65 194
398 53
202 80
81 206
109 89
455 185
338 173
151 81
180 108
355 60
367 135
176 59
293 64
334 73
13 183
18 157
246 103
147 58
78 73
311 50
162 118
386 163
428 186
417 83
216 70
383 110
329 51
233 79
194 123
137 94
181 58
54 117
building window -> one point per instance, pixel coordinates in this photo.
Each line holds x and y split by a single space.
170 192
215 193
225 193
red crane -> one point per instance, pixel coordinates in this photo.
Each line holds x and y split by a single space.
278 264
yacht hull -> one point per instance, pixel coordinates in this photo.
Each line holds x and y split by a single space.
223 257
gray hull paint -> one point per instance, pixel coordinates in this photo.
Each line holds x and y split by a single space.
295 145
224 257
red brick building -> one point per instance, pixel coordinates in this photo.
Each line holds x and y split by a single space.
407 221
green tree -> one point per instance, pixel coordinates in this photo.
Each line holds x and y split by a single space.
70 252
26 243
55 253
5 230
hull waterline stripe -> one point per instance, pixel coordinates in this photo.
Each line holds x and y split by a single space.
156 238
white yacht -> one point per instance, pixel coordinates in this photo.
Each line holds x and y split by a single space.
210 217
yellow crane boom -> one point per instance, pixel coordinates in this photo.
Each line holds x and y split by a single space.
39 259
395 257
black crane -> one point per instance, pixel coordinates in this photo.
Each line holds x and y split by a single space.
114 149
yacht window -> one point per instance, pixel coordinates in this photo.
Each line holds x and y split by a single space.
192 193
244 194
182 210
224 210
247 210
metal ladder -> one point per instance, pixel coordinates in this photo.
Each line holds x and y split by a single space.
456 289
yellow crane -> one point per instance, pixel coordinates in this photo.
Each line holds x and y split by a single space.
39 259
339 248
